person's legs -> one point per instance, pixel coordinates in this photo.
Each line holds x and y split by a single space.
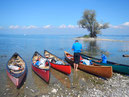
75 59
76 67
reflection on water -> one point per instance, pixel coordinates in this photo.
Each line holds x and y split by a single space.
92 48
113 50
39 82
62 78
40 86
81 79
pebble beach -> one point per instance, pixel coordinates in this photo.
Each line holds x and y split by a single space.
117 86
78 84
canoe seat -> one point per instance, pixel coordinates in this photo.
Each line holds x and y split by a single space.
35 58
16 71
52 60
70 57
47 55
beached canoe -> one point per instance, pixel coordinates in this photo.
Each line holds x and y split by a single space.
16 69
57 63
119 68
103 71
42 70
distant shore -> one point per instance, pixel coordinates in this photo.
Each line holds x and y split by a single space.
98 39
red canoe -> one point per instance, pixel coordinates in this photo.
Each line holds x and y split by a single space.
16 69
42 71
54 61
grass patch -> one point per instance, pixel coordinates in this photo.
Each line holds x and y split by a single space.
86 36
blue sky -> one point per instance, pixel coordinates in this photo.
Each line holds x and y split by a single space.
32 16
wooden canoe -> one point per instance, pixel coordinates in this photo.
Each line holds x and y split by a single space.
103 71
119 68
18 75
43 72
64 67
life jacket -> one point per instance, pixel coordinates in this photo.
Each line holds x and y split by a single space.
81 58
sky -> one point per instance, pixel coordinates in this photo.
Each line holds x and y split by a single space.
61 16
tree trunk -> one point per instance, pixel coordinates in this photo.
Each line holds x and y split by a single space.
95 35
91 32
92 35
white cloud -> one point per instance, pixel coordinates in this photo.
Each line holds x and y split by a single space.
14 27
30 27
47 26
121 26
126 24
71 26
116 27
62 26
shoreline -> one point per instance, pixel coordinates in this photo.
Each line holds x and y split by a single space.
85 84
98 39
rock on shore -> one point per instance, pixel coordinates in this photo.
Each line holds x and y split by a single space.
117 86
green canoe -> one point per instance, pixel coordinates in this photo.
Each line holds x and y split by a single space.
120 68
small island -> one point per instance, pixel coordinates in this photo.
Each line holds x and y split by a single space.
90 23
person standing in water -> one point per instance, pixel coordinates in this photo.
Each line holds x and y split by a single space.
77 48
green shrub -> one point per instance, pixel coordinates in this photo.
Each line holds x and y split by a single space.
86 36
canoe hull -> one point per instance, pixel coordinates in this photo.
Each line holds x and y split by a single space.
16 77
119 68
63 68
44 74
103 71
17 81
97 70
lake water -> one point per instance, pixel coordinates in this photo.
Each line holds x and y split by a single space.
26 45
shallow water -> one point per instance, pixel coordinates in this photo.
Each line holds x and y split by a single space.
35 86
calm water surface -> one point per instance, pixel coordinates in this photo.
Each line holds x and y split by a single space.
26 45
